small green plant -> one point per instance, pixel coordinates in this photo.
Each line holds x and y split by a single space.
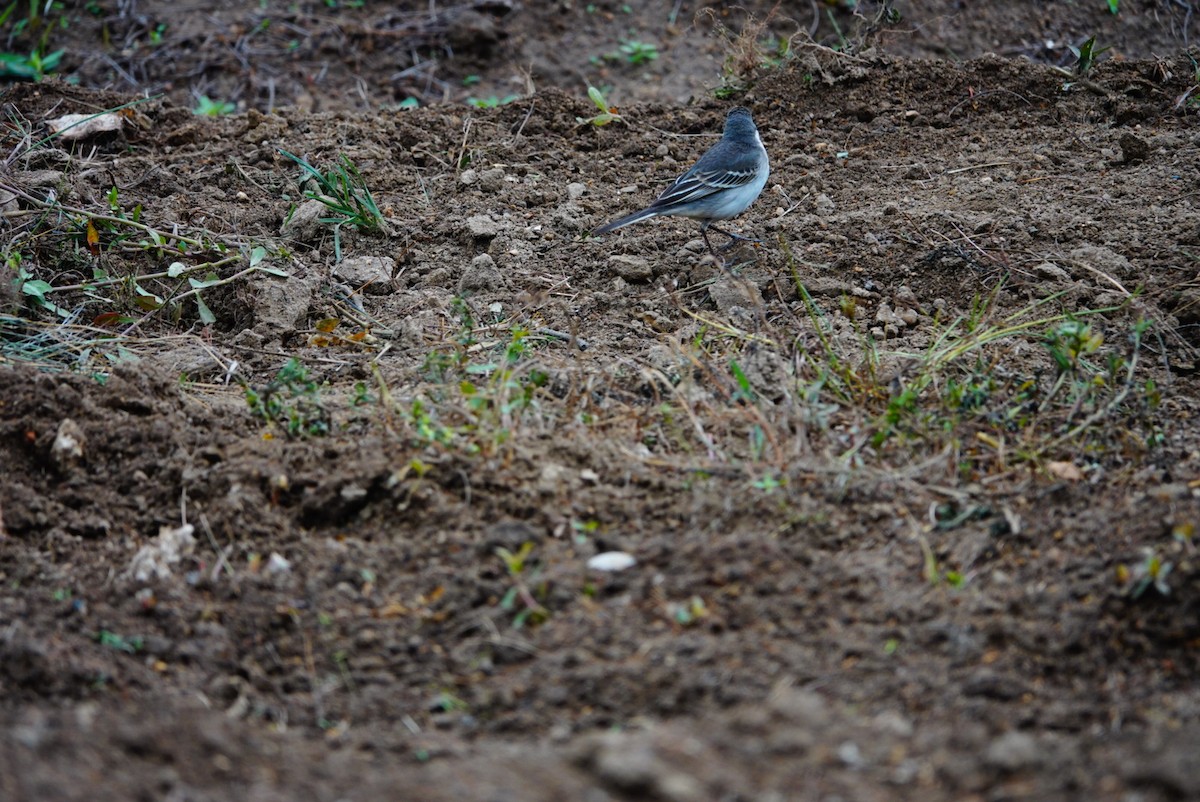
520 597
207 107
119 642
768 484
1114 6
508 391
39 22
33 67
491 102
584 529
691 612
293 400
630 52
637 53
1069 342
344 191
1086 56
361 395
607 113
1151 572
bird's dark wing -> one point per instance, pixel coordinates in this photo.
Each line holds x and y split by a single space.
726 166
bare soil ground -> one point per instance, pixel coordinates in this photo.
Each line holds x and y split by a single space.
299 510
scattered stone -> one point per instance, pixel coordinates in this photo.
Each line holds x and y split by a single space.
632 765
155 559
631 268
482 226
849 753
905 298
1012 752
353 492
1133 149
575 190
305 223
74 127
1052 271
824 205
887 316
468 177
481 274
371 272
731 292
553 479
42 178
277 565
68 445
611 561
491 180
280 304
1105 260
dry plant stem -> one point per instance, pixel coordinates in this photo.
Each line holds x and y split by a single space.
103 217
1099 414
714 453
194 291
161 274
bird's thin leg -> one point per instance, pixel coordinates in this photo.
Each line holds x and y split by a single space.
704 233
735 237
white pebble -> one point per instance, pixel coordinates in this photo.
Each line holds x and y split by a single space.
611 561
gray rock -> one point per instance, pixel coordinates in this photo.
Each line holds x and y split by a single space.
481 274
482 226
631 268
374 272
305 223
1103 259
1052 271
280 303
491 180
730 292
1013 751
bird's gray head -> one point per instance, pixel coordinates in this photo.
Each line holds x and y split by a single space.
739 123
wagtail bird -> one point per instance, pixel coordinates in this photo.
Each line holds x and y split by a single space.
721 185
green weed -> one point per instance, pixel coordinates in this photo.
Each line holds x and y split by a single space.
1086 56
34 67
522 598
607 113
112 640
293 400
492 102
343 190
207 107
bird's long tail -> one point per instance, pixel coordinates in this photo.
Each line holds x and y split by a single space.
636 217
